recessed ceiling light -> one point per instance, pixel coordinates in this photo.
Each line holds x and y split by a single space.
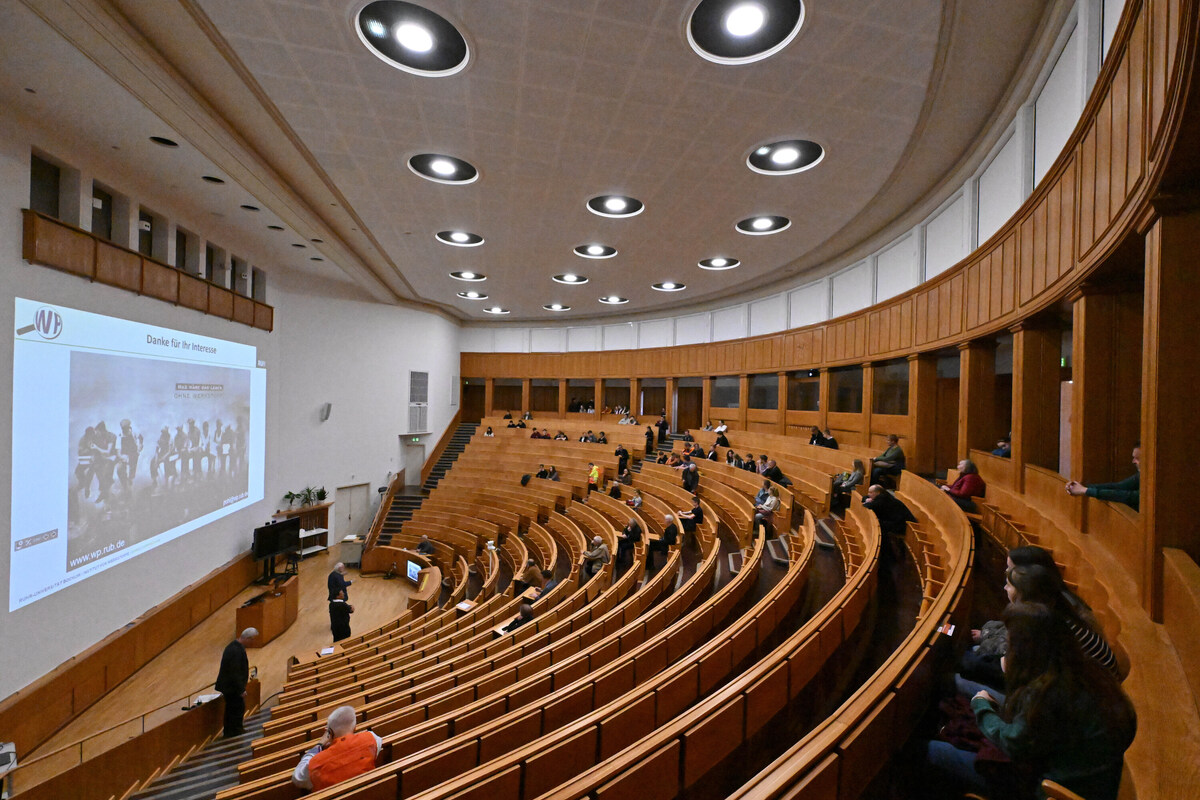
763 225
317 241
442 168
164 141
496 310
316 258
595 251
718 263
474 277
613 300
299 246
420 41
615 205
785 157
742 31
275 227
571 278
556 307
472 295
459 238
669 286
212 179
249 207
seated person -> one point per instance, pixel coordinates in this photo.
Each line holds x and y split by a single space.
1127 491
691 478
511 424
588 437
692 519
721 426
340 755
524 614
712 454
560 437
595 559
530 576
687 436
521 423
890 462
763 494
625 478
1003 448
601 439
542 472
773 472
527 415
507 415
553 476
549 583
636 501
893 516
845 484
545 433
749 463
762 464
663 457
968 485
630 535
815 436
721 440
536 434
708 426
425 547
488 433
830 440
764 512
669 538
1064 718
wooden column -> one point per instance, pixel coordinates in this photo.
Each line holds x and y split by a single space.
868 399
922 409
526 390
705 399
635 396
744 399
782 405
1037 373
823 399
1170 375
1106 372
598 391
669 402
489 389
976 390
563 388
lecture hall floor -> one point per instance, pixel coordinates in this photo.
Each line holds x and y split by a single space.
193 660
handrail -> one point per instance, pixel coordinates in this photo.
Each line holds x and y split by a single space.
381 513
141 718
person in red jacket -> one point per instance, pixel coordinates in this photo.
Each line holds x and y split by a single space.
340 755
968 485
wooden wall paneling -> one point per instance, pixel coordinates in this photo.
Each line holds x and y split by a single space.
264 317
977 379
117 267
975 291
1067 220
1035 391
220 302
489 396
868 399
243 310
1005 274
54 244
1170 373
922 409
1137 102
160 281
782 393
823 399
1104 164
1119 96
1087 190
527 384
563 389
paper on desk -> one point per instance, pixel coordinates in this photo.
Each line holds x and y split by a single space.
325 651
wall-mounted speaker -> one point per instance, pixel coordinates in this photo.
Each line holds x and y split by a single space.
325 409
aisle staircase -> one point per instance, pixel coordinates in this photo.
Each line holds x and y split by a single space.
406 502
210 769
454 449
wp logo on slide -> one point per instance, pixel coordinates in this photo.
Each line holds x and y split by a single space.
48 323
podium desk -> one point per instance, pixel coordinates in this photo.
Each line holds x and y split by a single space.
271 612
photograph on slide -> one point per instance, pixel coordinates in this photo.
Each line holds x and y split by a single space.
154 444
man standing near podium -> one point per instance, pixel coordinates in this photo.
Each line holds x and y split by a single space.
338 582
232 679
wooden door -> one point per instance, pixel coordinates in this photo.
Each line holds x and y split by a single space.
688 411
473 395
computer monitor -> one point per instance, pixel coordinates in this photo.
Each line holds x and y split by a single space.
412 571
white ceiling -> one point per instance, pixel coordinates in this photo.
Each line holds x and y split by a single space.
563 100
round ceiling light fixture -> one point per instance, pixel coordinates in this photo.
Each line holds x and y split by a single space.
472 295
719 263
743 31
164 141
669 286
443 169
556 307
763 225
212 179
614 300
459 238
412 38
571 279
595 251
275 227
495 310
248 207
785 157
617 206
473 277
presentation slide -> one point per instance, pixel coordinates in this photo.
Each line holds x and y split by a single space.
125 436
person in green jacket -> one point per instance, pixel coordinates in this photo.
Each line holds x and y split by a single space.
1126 491
1065 718
890 462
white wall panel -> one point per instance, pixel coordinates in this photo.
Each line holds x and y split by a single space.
514 340
808 305
1000 189
896 268
768 315
693 329
656 333
620 337
946 238
547 340
1112 15
729 323
851 289
581 339
1058 106
478 340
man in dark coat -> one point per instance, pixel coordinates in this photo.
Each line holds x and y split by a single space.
663 545
337 582
232 679
339 617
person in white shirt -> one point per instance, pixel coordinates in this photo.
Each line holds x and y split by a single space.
721 428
